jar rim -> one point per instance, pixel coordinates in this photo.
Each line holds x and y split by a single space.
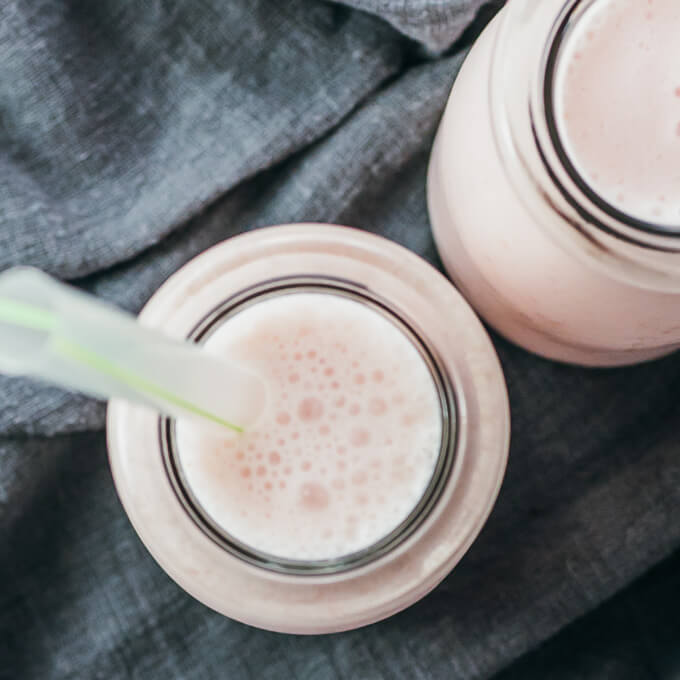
524 58
573 14
320 284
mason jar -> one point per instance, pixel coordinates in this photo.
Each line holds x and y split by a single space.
542 249
194 521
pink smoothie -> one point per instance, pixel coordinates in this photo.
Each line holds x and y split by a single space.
617 104
347 444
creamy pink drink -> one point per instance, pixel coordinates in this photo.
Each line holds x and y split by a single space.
617 105
553 185
349 440
376 460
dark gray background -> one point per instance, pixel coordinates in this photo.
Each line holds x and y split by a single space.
133 135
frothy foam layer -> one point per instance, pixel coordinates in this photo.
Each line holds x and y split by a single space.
617 104
349 440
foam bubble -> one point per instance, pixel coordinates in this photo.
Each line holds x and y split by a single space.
313 496
360 437
310 408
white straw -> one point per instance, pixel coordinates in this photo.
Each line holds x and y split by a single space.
53 331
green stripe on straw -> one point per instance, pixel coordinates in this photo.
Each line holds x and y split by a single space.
21 314
102 365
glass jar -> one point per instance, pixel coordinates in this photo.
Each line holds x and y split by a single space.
308 596
545 259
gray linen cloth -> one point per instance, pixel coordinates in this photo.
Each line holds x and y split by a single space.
133 135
